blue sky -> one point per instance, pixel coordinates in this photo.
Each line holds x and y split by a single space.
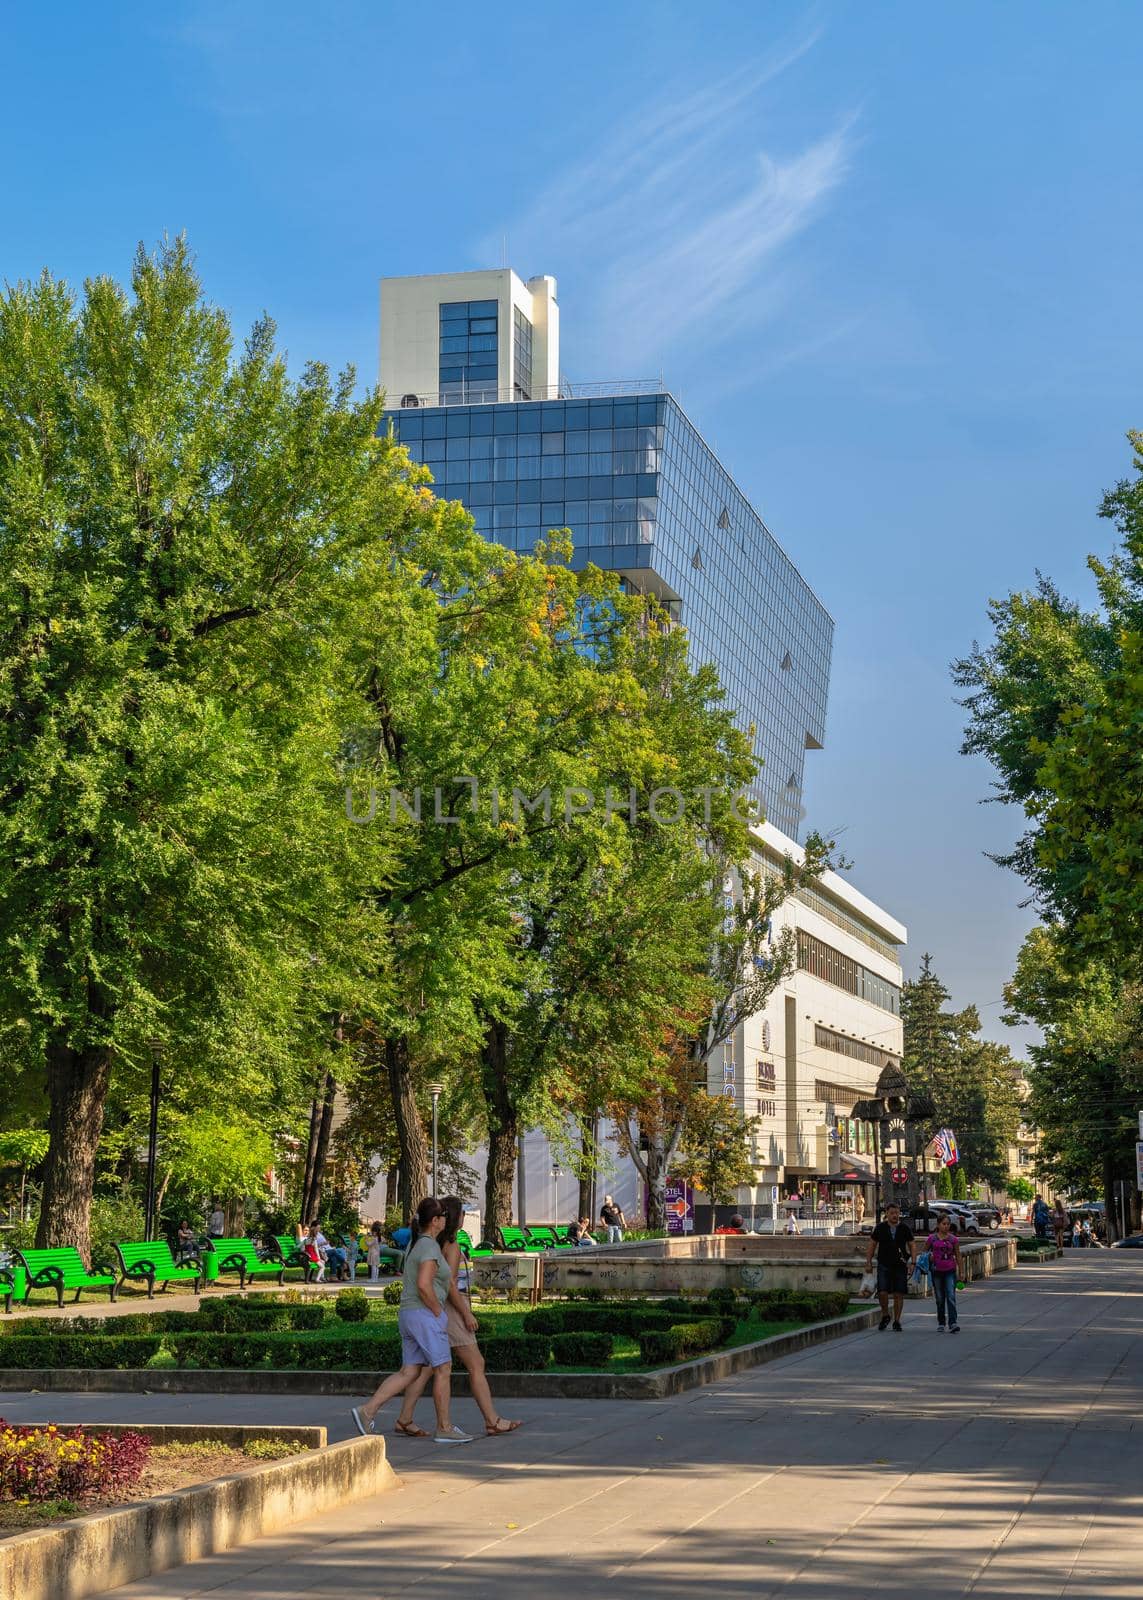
887 256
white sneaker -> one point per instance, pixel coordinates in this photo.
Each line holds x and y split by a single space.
454 1435
363 1424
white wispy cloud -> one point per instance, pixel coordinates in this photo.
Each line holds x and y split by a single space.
679 210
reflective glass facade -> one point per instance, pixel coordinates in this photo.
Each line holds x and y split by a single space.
468 349
644 496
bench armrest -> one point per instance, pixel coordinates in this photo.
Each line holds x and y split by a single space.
45 1278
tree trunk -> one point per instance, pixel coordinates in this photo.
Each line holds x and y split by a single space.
1110 1193
77 1082
317 1180
311 1156
655 1164
588 1157
392 1177
503 1130
159 1198
414 1163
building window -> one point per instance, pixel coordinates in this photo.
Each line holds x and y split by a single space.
856 1049
521 356
468 344
821 960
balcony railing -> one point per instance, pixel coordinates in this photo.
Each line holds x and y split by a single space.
482 394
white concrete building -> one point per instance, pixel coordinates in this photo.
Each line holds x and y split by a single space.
469 337
799 1065
819 1045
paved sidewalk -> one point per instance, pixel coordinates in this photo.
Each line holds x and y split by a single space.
1004 1462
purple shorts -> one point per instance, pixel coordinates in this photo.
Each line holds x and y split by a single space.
424 1338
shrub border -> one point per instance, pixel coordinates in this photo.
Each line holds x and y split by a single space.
511 1385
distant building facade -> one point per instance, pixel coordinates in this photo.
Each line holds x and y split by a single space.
470 364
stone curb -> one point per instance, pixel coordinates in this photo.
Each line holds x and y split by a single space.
73 1559
511 1385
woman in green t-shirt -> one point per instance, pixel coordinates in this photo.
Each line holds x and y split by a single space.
423 1326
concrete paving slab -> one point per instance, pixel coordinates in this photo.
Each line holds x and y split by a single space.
828 1473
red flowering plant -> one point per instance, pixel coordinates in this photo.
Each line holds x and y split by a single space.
68 1464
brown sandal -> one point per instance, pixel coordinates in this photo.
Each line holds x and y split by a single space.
493 1429
410 1430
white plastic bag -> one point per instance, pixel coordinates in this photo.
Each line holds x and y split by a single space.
867 1285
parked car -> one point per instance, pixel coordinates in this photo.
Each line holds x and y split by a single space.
986 1214
1133 1241
963 1220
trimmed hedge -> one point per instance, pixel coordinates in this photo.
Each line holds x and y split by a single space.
214 1316
662 1348
581 1349
263 1316
630 1317
77 1350
348 1348
527 1354
800 1305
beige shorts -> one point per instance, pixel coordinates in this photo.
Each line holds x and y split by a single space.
458 1334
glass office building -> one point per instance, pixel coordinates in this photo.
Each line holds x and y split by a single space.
644 496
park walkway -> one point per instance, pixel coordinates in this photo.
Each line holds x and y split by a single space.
1005 1462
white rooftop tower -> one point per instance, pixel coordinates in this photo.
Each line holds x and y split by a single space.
453 337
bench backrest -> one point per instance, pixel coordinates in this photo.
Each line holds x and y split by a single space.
543 1236
157 1252
66 1258
287 1245
236 1247
513 1239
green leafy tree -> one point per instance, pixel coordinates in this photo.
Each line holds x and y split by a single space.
944 1184
1055 703
715 1149
974 1083
959 1183
218 1155
1020 1190
735 970
185 534
1085 1076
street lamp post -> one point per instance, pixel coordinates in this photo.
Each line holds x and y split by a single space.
156 1048
557 1174
436 1090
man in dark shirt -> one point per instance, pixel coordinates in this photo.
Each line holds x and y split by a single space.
893 1241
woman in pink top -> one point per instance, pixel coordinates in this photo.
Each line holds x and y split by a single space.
944 1269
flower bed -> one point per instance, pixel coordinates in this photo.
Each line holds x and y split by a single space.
53 1464
49 1474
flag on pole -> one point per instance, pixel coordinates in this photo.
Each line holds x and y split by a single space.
946 1149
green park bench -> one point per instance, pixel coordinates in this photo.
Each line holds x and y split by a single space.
515 1239
7 1288
290 1253
464 1240
240 1256
545 1238
153 1263
60 1269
